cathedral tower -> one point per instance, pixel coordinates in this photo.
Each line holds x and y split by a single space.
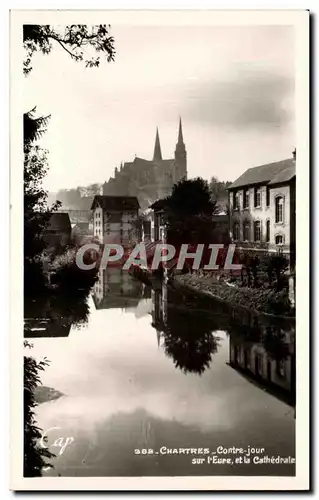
157 156
180 163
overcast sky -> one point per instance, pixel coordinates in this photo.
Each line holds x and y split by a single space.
232 86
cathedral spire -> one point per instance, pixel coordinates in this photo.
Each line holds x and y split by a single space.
157 148
180 164
180 132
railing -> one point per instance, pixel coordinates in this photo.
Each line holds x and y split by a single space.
262 246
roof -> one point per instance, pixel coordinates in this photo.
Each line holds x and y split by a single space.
284 175
272 173
116 202
59 222
159 204
81 225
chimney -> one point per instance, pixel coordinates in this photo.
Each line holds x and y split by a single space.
294 154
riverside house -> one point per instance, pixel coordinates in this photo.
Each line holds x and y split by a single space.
115 219
262 205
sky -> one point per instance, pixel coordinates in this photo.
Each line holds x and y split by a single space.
232 86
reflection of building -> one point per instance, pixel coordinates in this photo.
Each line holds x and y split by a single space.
46 327
149 180
115 219
116 288
159 310
275 373
58 231
263 207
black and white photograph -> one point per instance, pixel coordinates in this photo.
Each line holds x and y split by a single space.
159 209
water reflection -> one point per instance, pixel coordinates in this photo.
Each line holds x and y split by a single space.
116 289
162 367
261 348
185 335
54 315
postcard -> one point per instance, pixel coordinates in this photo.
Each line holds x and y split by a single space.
159 250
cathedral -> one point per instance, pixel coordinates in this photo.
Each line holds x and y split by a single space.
149 180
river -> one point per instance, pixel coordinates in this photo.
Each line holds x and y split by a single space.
153 379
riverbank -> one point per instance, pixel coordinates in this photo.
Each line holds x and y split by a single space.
259 300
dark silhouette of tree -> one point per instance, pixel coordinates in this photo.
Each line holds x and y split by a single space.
36 211
191 197
219 193
277 265
188 212
189 340
35 456
73 39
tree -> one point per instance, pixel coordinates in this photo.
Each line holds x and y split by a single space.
219 193
34 455
189 340
36 211
188 212
277 264
74 39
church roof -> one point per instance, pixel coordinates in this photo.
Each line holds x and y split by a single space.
271 173
115 202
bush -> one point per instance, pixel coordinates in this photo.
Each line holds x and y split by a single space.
66 275
278 303
35 456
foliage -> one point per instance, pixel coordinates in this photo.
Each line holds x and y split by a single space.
79 198
219 193
278 303
68 277
189 340
74 40
188 212
34 455
36 211
191 197
277 265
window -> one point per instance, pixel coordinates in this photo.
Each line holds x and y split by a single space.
279 239
236 201
279 209
258 365
247 359
267 230
246 231
237 354
281 368
257 230
246 198
267 196
236 234
257 197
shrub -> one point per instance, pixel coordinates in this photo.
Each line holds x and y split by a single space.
278 303
34 455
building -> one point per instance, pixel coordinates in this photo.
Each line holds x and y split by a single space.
149 180
116 289
58 231
115 219
275 375
262 205
158 220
